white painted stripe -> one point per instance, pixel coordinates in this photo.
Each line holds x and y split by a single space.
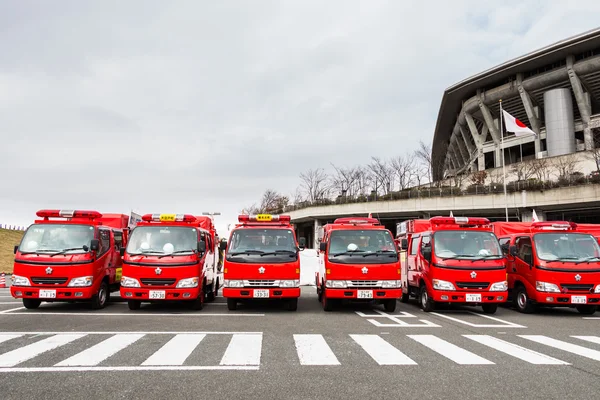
591 339
449 350
9 302
381 351
243 350
101 351
313 350
128 315
12 309
133 332
28 352
569 347
504 324
532 357
7 337
137 368
176 350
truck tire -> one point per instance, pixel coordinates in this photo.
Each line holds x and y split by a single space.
217 287
586 310
31 304
327 303
426 302
210 292
489 308
319 295
231 304
100 299
292 304
198 303
390 305
405 297
134 304
522 301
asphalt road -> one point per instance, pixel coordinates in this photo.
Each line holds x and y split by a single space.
261 351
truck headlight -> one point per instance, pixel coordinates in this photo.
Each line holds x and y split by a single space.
597 290
233 284
443 285
187 283
81 281
390 284
546 287
336 284
289 283
20 281
499 287
129 282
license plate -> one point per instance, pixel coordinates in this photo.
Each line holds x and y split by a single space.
157 294
473 297
47 294
364 294
261 293
578 299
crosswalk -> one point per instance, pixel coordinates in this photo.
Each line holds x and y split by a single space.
121 351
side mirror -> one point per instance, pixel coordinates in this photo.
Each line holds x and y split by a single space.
504 248
16 249
95 245
323 246
201 247
404 244
513 250
302 243
122 251
427 253
223 246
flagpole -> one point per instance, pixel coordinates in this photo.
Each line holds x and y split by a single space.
503 163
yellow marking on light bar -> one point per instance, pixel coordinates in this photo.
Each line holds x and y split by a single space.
264 217
167 217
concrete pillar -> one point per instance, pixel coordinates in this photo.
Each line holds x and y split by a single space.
462 148
453 157
560 126
532 113
466 140
583 103
489 119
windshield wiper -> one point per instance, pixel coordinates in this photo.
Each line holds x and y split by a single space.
236 253
65 250
270 253
380 252
177 252
457 256
587 259
348 253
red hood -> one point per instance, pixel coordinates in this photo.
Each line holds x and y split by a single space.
289 270
153 259
58 259
388 271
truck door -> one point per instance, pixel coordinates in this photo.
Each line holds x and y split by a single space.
105 253
411 261
504 245
523 263
422 264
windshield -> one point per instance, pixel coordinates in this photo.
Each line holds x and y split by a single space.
262 245
575 247
52 238
368 246
466 244
156 240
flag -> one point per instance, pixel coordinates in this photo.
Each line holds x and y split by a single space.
515 126
534 217
451 215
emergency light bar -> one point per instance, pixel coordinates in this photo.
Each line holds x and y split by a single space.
459 221
68 214
264 218
169 218
356 221
554 226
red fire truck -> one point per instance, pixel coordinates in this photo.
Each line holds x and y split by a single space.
453 260
262 261
70 255
551 264
358 261
171 257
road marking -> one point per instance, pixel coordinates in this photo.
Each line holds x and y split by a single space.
9 302
135 333
449 350
591 317
591 339
101 351
12 309
381 351
132 314
243 350
176 350
314 350
504 324
532 357
569 347
137 368
22 354
395 318
7 337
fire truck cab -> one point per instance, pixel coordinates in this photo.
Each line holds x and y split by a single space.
171 257
453 260
551 264
70 255
358 261
262 261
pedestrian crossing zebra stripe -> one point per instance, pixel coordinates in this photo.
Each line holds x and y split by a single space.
314 350
100 352
30 351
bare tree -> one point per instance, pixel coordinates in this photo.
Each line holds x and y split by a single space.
565 166
314 184
363 181
382 174
423 155
541 169
523 170
270 202
403 168
594 154
344 180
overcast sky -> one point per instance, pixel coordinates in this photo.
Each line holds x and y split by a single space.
192 106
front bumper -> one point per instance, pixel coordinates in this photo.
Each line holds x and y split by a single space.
60 293
147 294
261 293
566 299
451 296
363 294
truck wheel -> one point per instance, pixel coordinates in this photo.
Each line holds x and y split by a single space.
319 294
198 303
327 303
489 308
210 293
405 297
217 287
586 310
292 304
522 301
134 304
31 304
99 299
427 303
390 305
231 304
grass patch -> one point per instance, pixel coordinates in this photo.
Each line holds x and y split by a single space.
8 240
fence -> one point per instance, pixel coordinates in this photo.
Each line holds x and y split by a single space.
12 227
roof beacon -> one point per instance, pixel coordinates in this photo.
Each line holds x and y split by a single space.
264 218
68 214
169 218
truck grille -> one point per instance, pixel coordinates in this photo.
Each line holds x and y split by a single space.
577 287
473 285
260 283
364 283
49 281
157 281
